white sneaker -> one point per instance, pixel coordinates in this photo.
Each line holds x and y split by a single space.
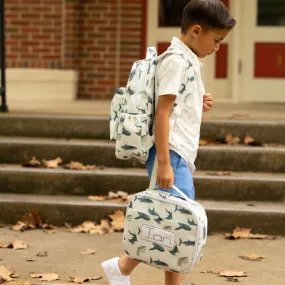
113 273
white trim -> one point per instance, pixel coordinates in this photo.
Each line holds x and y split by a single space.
41 85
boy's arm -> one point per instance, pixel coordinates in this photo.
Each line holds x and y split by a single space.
165 174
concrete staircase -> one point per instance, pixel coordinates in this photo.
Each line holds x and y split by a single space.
258 173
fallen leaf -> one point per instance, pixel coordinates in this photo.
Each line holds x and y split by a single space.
5 274
96 278
118 220
32 163
18 244
48 227
233 279
251 205
247 140
83 279
42 254
52 163
19 226
84 228
227 273
29 220
74 165
220 173
252 257
14 275
89 251
231 140
2 245
97 198
46 276
19 283
243 233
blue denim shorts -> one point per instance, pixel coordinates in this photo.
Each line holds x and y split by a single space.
183 178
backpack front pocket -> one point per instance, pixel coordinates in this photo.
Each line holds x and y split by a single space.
132 132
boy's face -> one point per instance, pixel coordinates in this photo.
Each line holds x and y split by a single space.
205 42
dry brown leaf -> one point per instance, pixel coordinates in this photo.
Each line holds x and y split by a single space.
74 165
42 254
14 275
96 278
251 205
97 198
85 227
220 173
18 244
2 245
5 273
18 283
32 163
48 227
233 279
83 279
247 140
118 220
89 251
19 226
231 140
242 233
252 257
239 233
30 220
46 276
52 163
228 273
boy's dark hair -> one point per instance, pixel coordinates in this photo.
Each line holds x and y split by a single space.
207 13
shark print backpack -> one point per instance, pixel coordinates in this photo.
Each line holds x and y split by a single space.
164 230
132 109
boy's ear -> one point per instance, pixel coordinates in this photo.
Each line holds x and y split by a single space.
196 30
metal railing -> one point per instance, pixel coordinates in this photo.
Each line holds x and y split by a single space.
4 107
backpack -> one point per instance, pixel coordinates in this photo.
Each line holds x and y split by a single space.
133 107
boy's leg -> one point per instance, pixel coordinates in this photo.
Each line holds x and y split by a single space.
172 278
127 265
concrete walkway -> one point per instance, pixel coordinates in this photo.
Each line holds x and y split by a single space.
102 107
65 259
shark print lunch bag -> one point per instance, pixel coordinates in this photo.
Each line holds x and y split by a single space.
164 230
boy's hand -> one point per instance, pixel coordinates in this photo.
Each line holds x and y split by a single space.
165 176
207 102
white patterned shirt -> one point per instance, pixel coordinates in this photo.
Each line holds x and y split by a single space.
180 75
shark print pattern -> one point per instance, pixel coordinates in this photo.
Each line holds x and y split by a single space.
171 233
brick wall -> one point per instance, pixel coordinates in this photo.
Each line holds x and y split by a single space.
100 39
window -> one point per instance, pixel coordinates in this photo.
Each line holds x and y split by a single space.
271 13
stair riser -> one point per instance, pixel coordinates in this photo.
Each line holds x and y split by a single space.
52 183
214 158
219 221
98 128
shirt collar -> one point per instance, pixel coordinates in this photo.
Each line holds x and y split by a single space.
197 64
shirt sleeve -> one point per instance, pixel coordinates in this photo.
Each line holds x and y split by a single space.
171 75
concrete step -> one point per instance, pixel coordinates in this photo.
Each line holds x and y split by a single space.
88 127
228 158
237 187
223 216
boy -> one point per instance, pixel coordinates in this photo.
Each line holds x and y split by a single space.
180 98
